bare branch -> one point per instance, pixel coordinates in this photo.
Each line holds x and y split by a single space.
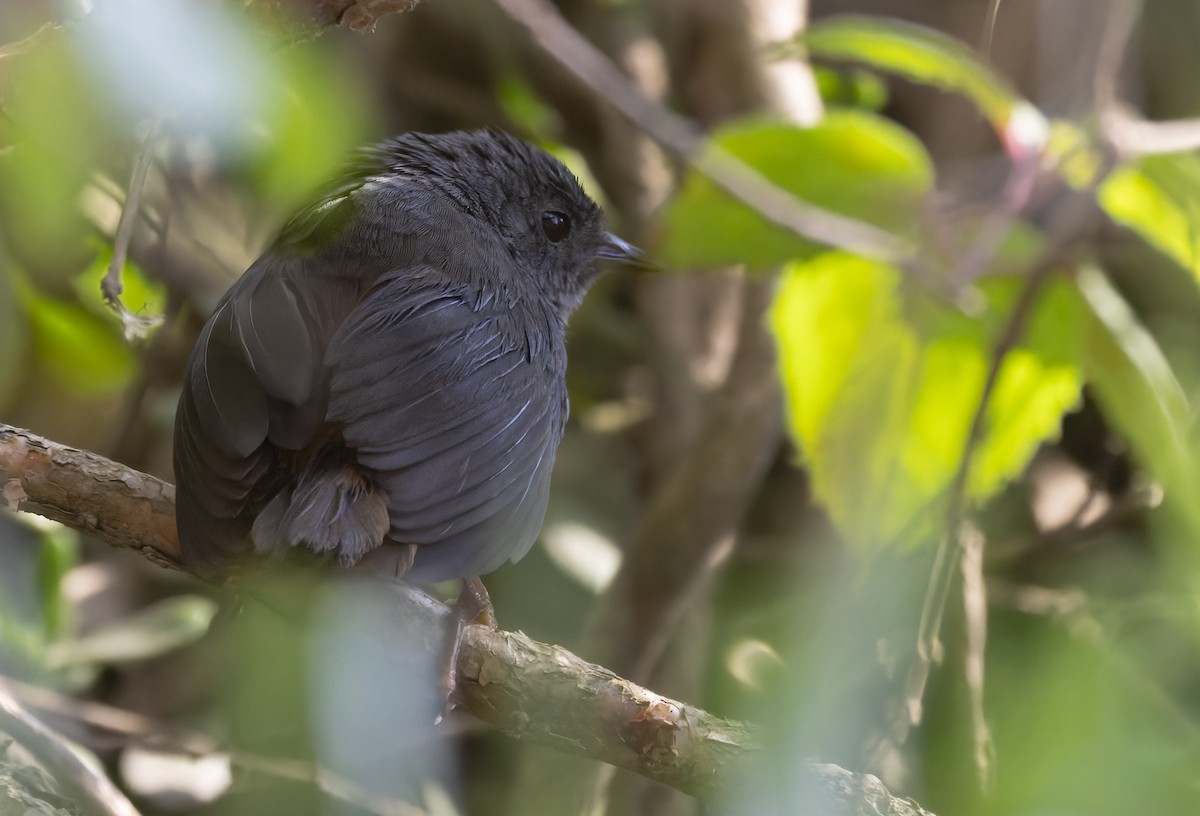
530 690
134 326
679 136
119 506
1128 133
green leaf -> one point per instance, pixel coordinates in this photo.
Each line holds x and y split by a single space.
882 386
13 332
850 89
318 115
58 555
917 53
150 632
80 348
54 135
1159 199
854 163
1137 388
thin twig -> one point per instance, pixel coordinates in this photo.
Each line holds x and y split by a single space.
679 136
950 546
989 28
92 792
975 610
135 326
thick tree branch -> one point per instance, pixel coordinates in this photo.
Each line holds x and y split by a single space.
532 691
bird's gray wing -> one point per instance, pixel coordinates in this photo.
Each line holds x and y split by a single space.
255 385
445 405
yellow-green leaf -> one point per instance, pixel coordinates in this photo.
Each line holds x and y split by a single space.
853 163
1159 199
882 392
917 53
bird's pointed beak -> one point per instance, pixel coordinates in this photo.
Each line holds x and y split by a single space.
621 251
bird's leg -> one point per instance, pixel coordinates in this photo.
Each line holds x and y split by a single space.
474 605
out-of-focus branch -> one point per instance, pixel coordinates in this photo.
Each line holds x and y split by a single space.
93 793
1128 133
577 55
134 326
532 691
310 17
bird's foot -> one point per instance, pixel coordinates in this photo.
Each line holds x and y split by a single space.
474 605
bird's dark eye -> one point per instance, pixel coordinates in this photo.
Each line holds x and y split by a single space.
556 225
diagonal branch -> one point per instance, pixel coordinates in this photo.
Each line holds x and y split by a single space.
528 689
576 54
532 691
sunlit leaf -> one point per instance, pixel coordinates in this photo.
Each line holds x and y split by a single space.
882 391
855 88
1159 199
150 632
917 53
854 163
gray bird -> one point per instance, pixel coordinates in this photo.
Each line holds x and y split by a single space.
386 383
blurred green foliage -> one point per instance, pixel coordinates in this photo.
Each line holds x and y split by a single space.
881 394
1159 198
883 368
917 53
853 162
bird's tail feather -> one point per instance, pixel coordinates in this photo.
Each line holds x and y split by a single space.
330 509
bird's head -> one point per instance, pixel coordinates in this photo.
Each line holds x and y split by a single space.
530 203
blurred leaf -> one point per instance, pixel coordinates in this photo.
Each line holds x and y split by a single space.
150 632
523 106
1075 154
917 53
13 332
56 133
1139 392
58 554
850 89
315 115
882 386
854 163
80 348
1159 199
